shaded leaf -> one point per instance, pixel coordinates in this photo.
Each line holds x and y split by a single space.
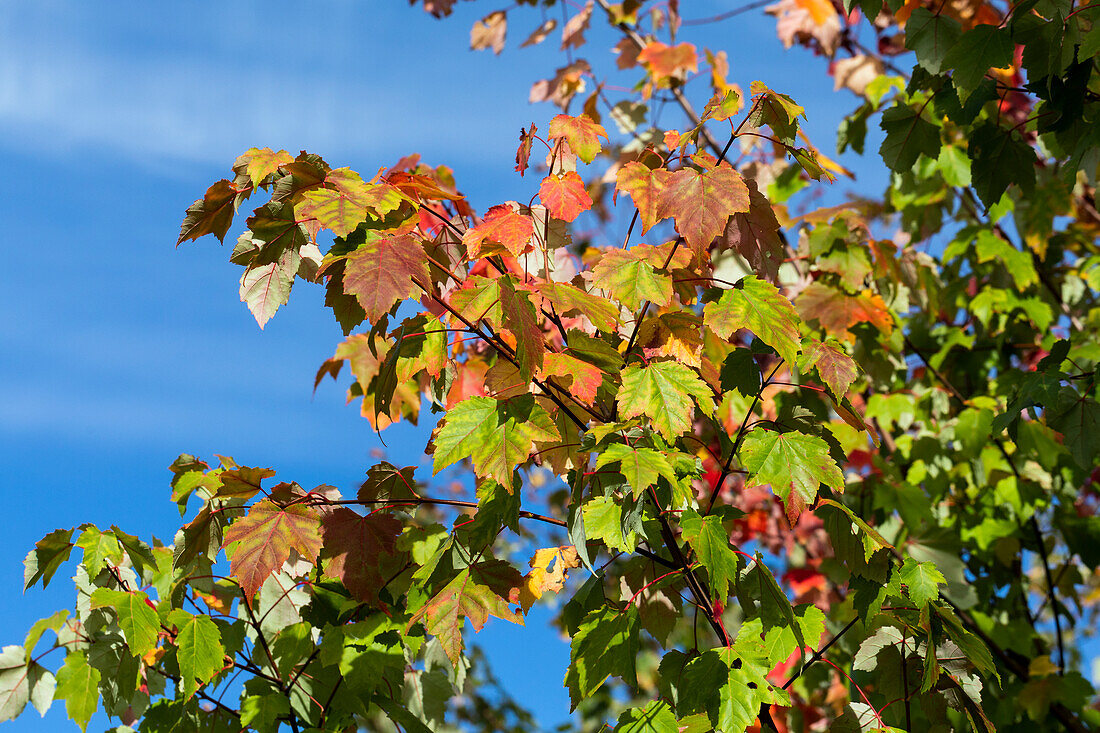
359 549
908 135
212 214
137 617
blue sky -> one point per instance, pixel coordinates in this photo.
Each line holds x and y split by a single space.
119 351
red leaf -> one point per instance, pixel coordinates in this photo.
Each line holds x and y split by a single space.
585 378
755 236
701 202
357 549
837 369
564 196
502 225
383 271
264 538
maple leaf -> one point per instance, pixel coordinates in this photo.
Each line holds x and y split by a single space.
521 320
542 580
796 22
503 225
640 466
383 271
359 550
262 162
606 643
564 195
199 649
582 133
923 580
754 235
603 520
479 299
212 214
838 311
777 111
136 617
645 186
78 685
761 308
570 300
474 594
701 202
676 334
837 369
496 435
794 464
630 278
489 32
664 61
584 378
540 34
711 544
265 288
523 152
347 201
572 33
662 391
262 540
908 134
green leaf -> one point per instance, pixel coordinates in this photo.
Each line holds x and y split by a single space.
497 435
793 463
212 214
640 466
1000 157
198 648
571 300
603 520
931 36
991 248
475 593
605 644
923 580
758 585
761 308
977 51
908 135
261 711
662 391
718 683
50 623
46 557
655 717
78 686
136 617
740 372
711 544
631 279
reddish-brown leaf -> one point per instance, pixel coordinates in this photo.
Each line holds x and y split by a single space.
489 32
565 196
572 33
212 214
361 550
701 202
645 187
260 542
523 152
664 61
501 225
582 133
383 271
755 235
539 34
838 311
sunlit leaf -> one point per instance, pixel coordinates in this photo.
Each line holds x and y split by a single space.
663 392
260 542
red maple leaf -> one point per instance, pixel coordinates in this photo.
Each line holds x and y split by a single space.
701 202
501 225
360 550
264 538
383 271
564 196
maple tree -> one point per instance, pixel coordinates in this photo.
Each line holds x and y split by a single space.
783 468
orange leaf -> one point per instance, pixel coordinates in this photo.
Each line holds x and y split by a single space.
564 196
502 225
644 186
586 378
264 538
664 61
837 311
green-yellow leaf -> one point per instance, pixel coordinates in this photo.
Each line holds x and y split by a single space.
761 308
793 463
923 580
198 648
662 391
711 544
605 644
78 686
640 466
631 279
136 617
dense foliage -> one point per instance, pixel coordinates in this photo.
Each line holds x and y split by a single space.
781 468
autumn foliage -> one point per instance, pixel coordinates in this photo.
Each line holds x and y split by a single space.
781 467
